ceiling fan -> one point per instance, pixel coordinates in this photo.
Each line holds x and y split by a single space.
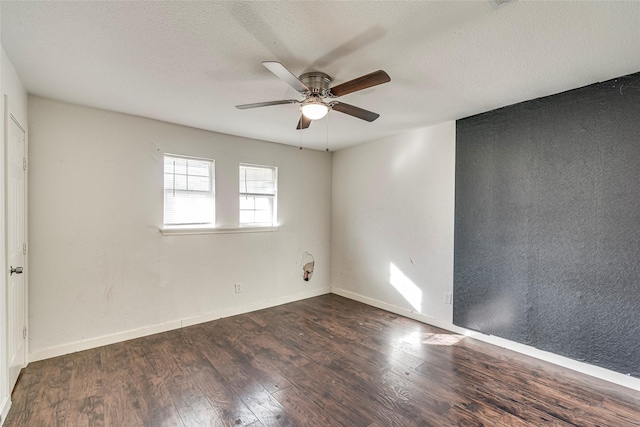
319 98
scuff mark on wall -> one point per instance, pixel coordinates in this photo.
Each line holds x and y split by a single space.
108 293
155 152
308 263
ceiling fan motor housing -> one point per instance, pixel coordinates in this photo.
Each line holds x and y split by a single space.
317 82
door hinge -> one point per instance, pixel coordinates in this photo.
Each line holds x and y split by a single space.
24 332
24 249
24 163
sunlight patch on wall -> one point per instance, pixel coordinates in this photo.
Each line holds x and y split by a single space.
404 285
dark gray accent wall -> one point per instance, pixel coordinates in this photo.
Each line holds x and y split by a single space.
547 224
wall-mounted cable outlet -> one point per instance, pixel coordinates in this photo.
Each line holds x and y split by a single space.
448 298
238 288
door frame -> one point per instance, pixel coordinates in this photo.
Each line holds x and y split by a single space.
12 113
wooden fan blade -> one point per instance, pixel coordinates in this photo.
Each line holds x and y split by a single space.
287 76
366 81
266 104
304 122
354 111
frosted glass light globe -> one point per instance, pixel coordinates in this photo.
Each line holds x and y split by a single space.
314 110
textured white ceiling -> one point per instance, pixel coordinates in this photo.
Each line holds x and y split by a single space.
192 62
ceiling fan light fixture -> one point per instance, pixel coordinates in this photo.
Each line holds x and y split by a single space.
314 109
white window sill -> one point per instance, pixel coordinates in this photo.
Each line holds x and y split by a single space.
176 231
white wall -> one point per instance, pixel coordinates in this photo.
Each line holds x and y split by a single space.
10 85
101 271
393 203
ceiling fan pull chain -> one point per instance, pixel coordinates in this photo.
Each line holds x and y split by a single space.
327 150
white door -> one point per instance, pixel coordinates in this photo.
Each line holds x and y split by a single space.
15 232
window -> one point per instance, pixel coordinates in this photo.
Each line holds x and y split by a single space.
188 191
258 201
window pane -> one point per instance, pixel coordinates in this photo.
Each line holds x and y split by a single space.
180 166
247 202
168 165
188 210
260 187
262 203
184 194
198 168
198 183
256 181
246 217
250 174
168 180
263 217
180 182
188 195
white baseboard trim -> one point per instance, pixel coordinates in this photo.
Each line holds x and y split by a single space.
259 305
585 368
4 409
168 326
103 340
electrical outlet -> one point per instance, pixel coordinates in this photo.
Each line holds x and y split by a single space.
238 288
448 297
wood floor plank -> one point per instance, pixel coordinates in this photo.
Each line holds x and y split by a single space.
535 393
133 388
309 384
152 384
324 326
388 395
474 393
172 358
86 405
240 376
85 412
49 404
259 352
122 401
232 411
24 394
324 361
86 377
313 376
233 336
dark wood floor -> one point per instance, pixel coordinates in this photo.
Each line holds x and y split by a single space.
325 361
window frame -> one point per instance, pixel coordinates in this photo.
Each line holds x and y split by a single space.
211 193
273 197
